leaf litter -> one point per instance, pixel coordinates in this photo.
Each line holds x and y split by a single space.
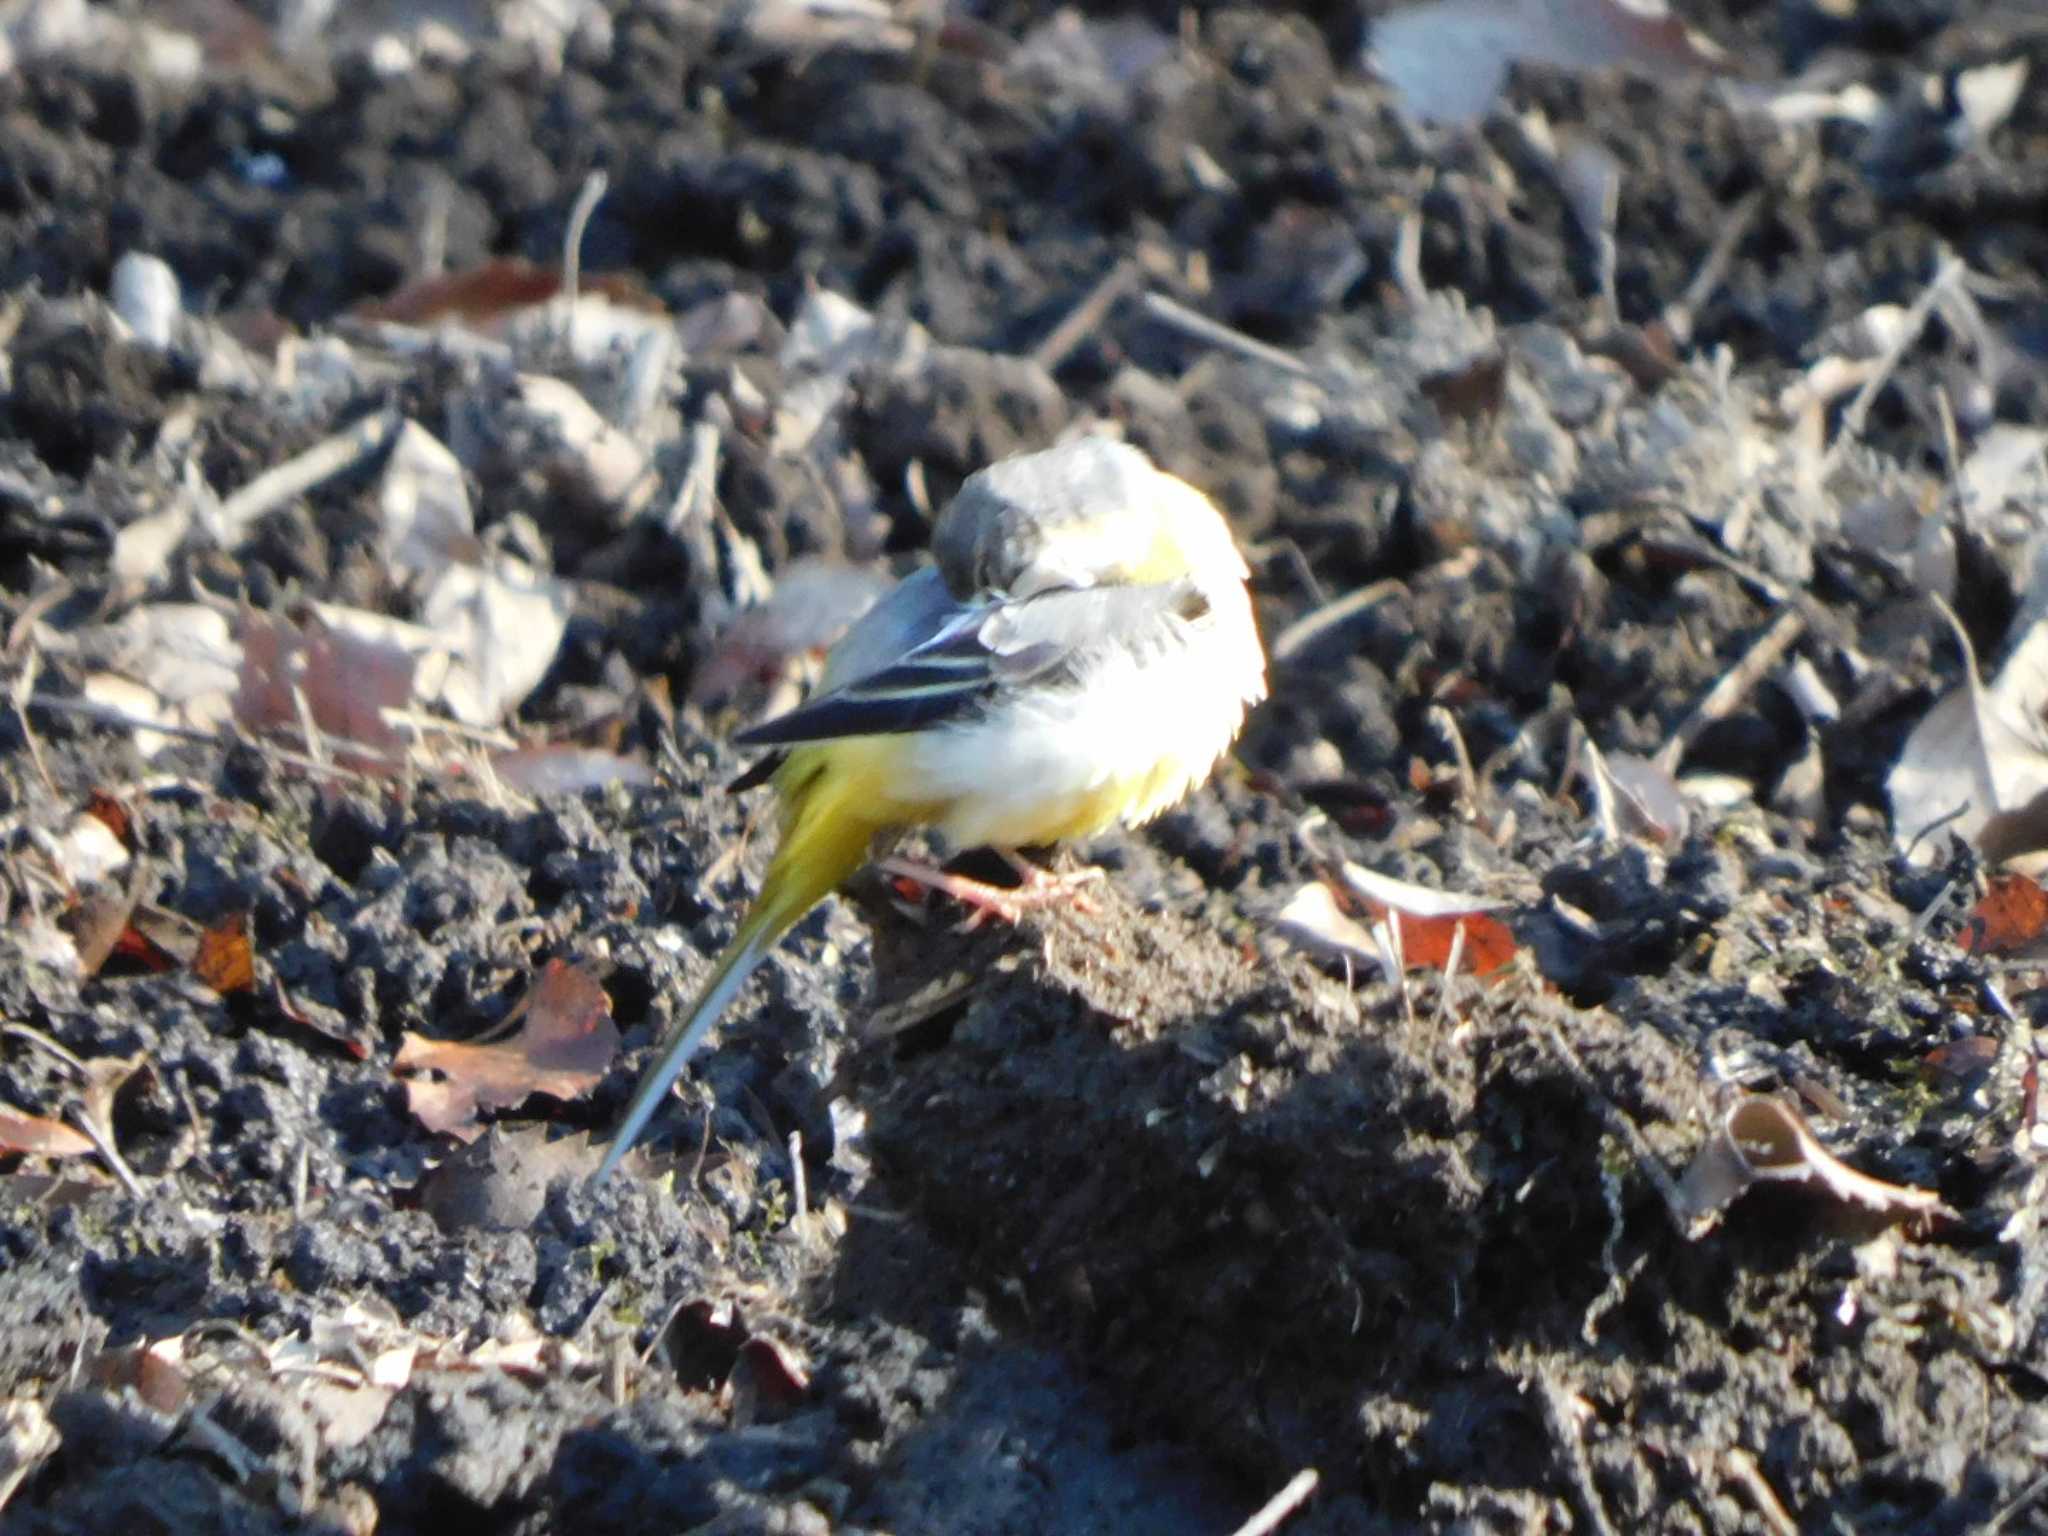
1501 420
564 1043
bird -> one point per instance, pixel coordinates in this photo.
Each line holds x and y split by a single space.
1080 653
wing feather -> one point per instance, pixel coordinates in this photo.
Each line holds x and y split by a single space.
955 661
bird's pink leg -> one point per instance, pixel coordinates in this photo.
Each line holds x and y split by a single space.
1036 888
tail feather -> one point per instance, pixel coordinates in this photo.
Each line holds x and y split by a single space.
828 827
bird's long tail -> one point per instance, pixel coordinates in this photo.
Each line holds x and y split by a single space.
829 823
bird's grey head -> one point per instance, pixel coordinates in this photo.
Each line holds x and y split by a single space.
1084 513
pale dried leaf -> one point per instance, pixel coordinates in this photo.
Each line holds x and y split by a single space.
423 504
1761 1139
1976 766
1313 920
500 629
38 1136
1416 900
1447 59
568 770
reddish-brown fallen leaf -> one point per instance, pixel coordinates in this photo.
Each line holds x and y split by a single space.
41 1137
1428 941
562 1049
485 296
156 940
1429 923
319 1018
2012 915
155 1372
114 814
1962 1062
225 960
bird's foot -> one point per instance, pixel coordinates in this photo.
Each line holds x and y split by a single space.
1036 888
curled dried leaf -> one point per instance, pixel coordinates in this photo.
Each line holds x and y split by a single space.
563 1047
1762 1139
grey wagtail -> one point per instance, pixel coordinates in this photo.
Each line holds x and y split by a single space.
1080 653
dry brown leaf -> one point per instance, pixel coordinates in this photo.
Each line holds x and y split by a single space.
100 924
319 1018
225 960
1420 926
38 1136
156 1372
562 1049
1429 922
2012 915
483 298
346 679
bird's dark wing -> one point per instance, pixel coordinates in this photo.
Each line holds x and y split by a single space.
955 658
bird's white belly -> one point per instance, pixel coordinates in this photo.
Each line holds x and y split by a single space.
1124 746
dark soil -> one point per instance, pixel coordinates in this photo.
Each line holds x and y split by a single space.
1114 1221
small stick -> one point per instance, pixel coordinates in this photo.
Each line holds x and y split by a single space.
1909 332
799 1186
1312 626
20 696
1199 327
107 714
2016 1505
326 459
1678 315
1408 260
1558 1410
1743 1468
103 1143
1085 316
1450 980
1733 686
1282 1505
1468 781
595 185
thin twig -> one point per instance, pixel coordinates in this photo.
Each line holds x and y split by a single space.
1199 327
1449 984
326 459
1613 1117
1085 316
1312 626
1909 332
2016 1505
1678 315
36 1037
1282 1505
103 1143
20 696
1408 260
588 197
1733 686
1557 1409
1743 1468
1468 781
799 1186
107 714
